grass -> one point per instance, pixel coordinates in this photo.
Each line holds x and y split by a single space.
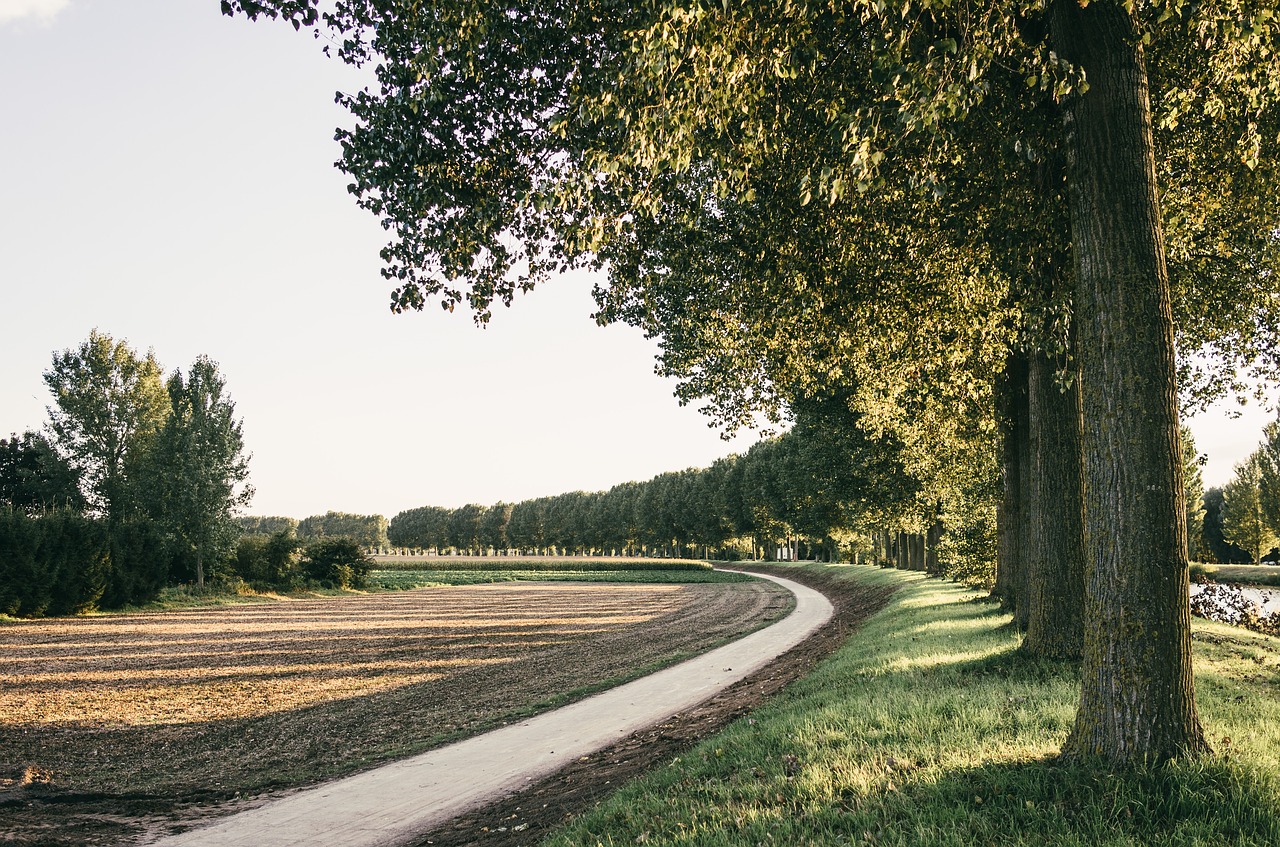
929 728
405 579
1244 574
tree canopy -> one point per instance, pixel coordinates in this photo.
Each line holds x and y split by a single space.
109 404
508 140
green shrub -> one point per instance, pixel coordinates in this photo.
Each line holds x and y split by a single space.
74 551
268 561
141 557
54 563
25 587
336 563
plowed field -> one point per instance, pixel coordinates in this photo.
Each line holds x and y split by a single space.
114 726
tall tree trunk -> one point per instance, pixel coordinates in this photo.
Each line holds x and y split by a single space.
1052 498
931 562
1026 517
1137 700
1012 416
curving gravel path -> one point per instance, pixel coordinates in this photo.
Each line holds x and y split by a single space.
392 804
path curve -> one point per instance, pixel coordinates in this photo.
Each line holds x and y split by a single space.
392 804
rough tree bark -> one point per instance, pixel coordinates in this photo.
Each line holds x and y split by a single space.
1137 701
1012 418
932 564
1055 534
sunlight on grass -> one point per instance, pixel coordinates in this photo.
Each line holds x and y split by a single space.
928 727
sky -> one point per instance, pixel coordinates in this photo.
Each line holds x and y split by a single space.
166 177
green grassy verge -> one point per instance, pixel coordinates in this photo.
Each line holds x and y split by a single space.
1243 574
398 580
927 728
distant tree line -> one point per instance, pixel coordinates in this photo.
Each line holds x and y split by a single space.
369 531
132 485
827 489
330 550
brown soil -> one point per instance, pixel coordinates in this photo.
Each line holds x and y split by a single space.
524 818
120 728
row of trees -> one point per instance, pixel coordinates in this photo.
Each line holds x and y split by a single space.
826 489
368 531
984 222
139 472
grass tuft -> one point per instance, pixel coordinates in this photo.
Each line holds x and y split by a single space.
929 727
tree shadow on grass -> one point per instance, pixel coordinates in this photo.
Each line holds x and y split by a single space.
1214 801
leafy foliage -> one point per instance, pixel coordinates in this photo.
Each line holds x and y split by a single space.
369 531
268 561
34 478
267 525
109 404
64 563
336 563
1193 494
160 469
55 564
195 475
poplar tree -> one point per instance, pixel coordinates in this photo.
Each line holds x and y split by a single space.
195 476
109 405
1244 522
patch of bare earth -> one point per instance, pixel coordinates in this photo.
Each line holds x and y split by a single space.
116 729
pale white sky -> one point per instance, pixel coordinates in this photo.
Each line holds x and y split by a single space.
166 176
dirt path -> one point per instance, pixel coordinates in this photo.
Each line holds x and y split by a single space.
113 727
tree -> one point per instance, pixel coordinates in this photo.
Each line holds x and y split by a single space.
1137 701
493 527
196 470
1242 517
34 478
336 563
109 404
267 524
368 530
1193 494
267 559
425 527
1268 458
579 135
1215 542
